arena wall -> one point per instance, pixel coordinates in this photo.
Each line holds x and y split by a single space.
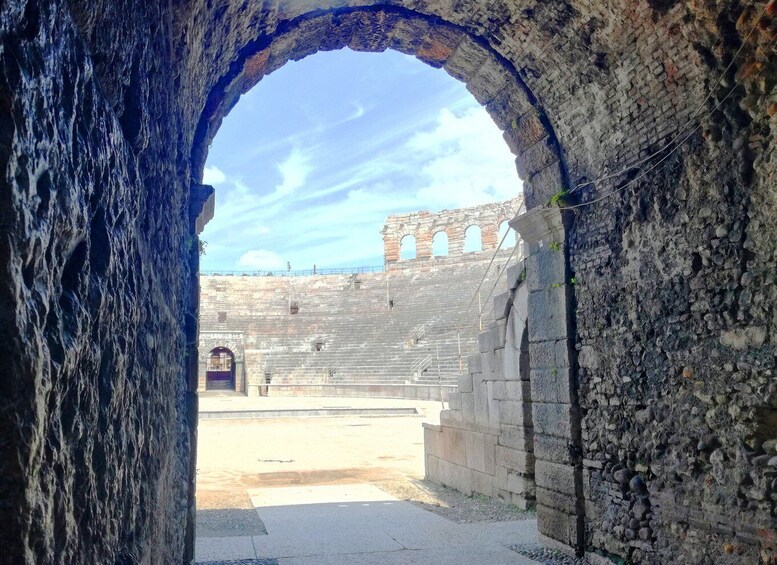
412 325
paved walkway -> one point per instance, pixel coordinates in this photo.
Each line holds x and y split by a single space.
360 524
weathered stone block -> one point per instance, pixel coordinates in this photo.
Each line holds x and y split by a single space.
483 483
559 501
541 187
498 390
509 104
515 412
517 437
452 475
502 304
487 340
546 269
536 158
488 81
551 385
514 273
465 383
552 448
518 390
514 459
520 483
555 477
465 60
552 419
474 363
549 310
493 406
468 407
560 526
480 393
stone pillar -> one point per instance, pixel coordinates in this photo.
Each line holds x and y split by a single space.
489 236
240 376
390 245
423 244
456 240
201 208
555 407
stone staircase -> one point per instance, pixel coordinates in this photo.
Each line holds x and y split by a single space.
373 328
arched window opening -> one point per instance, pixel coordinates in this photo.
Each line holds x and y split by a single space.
220 370
510 241
473 241
407 248
440 244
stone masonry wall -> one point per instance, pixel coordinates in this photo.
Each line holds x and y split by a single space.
484 441
423 226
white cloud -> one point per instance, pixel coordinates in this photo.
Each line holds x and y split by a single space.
294 171
464 161
261 259
213 176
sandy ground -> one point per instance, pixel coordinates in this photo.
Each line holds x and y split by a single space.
237 456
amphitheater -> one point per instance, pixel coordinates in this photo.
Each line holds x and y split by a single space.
404 331
627 389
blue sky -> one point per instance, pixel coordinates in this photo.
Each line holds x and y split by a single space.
310 162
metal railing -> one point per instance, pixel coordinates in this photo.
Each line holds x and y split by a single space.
297 272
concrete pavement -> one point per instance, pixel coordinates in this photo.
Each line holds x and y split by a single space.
360 524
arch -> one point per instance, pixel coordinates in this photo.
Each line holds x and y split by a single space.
493 81
407 247
473 239
510 240
440 244
220 369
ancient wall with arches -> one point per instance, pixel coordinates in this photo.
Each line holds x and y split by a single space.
643 131
424 226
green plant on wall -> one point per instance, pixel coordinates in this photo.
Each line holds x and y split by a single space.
554 246
559 199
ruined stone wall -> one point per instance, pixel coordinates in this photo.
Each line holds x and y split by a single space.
424 226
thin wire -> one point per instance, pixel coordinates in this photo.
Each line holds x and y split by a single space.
482 280
683 129
665 157
499 277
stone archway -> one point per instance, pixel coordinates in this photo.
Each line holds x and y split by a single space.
487 75
220 370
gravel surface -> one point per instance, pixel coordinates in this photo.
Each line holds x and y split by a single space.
452 504
548 556
241 562
229 522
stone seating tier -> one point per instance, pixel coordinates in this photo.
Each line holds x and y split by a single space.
362 338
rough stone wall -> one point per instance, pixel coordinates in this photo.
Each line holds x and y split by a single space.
675 313
484 442
423 226
676 335
95 449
